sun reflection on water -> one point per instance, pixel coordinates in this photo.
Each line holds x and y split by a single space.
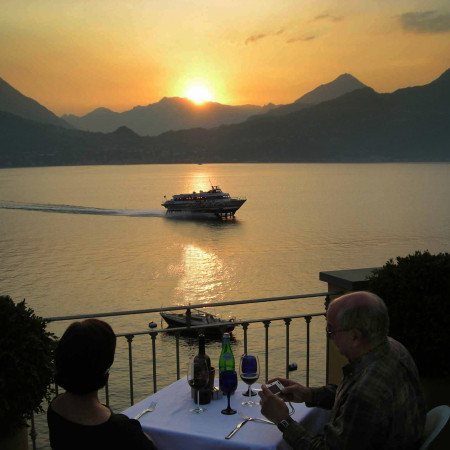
202 276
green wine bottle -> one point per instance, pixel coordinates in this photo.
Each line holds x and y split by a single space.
226 360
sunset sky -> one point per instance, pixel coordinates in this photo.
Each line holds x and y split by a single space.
73 56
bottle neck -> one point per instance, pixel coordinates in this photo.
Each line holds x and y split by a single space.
201 345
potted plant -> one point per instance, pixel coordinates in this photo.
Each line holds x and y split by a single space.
26 369
416 290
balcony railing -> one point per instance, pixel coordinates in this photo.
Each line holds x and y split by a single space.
153 333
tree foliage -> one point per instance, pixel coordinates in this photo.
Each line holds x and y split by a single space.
416 290
26 364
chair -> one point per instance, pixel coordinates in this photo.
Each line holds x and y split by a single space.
436 420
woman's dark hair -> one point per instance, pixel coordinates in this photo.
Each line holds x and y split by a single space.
84 355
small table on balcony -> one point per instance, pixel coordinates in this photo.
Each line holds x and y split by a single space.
171 425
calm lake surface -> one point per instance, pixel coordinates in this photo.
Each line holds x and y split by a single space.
76 240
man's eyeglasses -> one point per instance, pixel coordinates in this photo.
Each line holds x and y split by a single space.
330 333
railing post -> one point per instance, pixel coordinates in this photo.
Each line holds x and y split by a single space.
308 321
153 336
177 340
327 302
287 322
130 363
266 325
33 433
188 317
245 327
327 364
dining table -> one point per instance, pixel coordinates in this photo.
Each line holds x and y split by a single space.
172 426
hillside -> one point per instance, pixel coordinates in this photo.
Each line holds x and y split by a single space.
12 101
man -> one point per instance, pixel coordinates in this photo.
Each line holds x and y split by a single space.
378 404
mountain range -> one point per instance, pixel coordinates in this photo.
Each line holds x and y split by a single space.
360 126
180 113
173 113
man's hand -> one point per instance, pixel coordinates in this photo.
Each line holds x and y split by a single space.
272 406
293 392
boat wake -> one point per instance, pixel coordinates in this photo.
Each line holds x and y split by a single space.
70 209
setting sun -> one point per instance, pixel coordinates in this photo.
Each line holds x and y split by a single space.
199 94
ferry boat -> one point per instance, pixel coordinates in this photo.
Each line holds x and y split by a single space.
216 202
199 318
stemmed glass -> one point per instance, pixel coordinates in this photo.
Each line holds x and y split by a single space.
249 371
228 383
198 378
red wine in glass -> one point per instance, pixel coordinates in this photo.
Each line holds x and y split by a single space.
249 371
198 378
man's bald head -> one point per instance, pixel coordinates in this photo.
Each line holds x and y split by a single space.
364 311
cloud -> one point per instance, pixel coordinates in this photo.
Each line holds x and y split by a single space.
425 22
302 39
327 16
256 37
322 16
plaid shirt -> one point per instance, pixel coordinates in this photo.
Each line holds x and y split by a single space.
378 405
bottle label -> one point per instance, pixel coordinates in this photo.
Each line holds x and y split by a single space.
227 356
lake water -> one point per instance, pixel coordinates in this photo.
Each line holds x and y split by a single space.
76 240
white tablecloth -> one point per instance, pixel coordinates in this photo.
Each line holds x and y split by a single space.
171 425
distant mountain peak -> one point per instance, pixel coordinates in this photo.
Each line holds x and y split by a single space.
102 109
346 76
343 84
124 131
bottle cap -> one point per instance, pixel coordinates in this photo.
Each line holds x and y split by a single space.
226 337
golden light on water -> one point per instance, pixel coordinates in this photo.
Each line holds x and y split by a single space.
202 275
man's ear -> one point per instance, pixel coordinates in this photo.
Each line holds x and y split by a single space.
357 336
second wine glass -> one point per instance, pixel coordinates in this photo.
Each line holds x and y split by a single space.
198 378
249 371
228 383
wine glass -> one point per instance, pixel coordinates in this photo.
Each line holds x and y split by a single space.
249 371
228 383
198 378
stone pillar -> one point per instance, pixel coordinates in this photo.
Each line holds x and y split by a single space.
344 281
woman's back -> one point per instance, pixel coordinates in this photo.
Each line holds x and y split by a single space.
116 432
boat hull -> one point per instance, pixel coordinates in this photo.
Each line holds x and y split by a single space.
174 321
217 208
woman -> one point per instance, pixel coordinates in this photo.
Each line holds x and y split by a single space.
77 419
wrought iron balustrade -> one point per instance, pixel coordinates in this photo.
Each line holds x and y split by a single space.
153 333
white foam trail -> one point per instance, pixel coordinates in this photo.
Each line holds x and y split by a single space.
70 209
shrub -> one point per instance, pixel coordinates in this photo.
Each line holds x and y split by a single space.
26 364
416 290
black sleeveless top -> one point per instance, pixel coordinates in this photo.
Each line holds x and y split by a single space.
118 432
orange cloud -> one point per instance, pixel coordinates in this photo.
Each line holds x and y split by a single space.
302 39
